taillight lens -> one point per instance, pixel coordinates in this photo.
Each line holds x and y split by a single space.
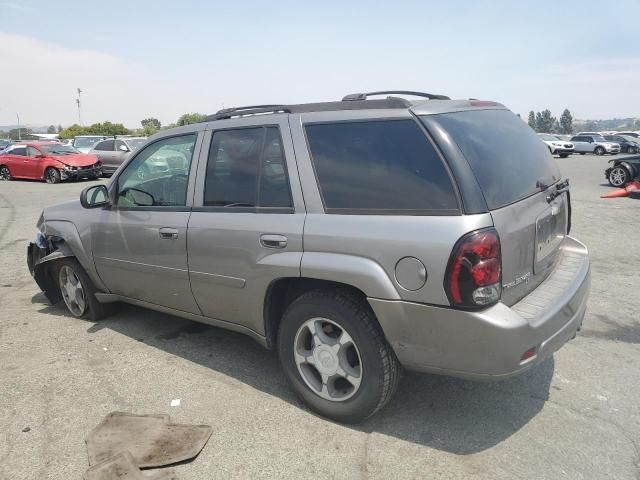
474 272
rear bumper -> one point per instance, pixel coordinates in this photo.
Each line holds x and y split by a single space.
490 344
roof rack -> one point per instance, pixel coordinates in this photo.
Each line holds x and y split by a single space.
247 110
363 96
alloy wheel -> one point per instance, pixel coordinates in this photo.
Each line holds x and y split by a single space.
5 174
328 359
618 176
72 291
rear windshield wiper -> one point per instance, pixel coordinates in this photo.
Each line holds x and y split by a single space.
561 187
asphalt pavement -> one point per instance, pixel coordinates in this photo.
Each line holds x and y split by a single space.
576 416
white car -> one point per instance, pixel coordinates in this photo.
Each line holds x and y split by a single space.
594 144
556 145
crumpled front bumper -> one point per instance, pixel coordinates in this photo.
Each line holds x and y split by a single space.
67 174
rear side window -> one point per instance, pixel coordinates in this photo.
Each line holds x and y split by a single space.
106 146
246 168
506 156
22 151
379 167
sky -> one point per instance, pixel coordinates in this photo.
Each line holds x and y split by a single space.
136 59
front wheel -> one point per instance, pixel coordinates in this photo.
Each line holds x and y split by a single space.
52 175
619 176
599 151
5 173
564 155
336 357
78 292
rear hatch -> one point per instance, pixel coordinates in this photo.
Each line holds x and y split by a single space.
522 188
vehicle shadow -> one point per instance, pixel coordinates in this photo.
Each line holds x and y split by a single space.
456 416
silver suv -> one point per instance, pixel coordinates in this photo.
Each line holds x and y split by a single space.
355 237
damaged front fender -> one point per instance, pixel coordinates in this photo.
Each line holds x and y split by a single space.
40 260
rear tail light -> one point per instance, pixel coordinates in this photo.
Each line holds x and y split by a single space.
474 272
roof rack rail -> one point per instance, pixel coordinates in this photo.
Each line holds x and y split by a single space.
247 110
363 96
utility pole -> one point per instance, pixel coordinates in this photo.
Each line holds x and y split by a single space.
78 102
19 135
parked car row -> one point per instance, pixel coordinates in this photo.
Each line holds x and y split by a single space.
591 142
87 156
48 161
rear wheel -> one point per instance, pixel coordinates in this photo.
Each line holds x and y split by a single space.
336 357
52 175
78 291
619 176
5 173
599 151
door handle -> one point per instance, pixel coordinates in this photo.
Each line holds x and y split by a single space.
168 233
273 241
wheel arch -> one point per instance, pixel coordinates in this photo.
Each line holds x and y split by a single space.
283 291
66 242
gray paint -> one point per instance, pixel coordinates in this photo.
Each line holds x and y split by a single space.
219 268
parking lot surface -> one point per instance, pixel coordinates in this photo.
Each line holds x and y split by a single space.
576 416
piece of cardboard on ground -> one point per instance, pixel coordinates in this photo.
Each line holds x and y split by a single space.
152 440
123 466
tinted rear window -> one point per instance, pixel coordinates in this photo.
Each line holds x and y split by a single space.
379 166
506 156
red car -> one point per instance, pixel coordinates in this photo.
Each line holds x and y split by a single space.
48 161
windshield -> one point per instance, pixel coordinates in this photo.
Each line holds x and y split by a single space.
507 158
84 142
135 143
549 138
58 150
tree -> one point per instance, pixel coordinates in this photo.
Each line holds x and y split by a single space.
532 120
189 118
150 126
152 122
566 122
544 121
17 134
51 129
71 131
557 128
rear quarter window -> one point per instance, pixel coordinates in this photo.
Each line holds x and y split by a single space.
379 167
506 156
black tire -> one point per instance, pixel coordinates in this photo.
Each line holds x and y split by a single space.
52 175
599 151
632 150
564 155
5 173
582 153
619 176
94 310
380 368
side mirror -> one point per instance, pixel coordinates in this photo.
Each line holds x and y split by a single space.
94 196
123 148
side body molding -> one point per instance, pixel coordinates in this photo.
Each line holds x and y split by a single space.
360 272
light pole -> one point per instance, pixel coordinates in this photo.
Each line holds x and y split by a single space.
19 135
78 102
